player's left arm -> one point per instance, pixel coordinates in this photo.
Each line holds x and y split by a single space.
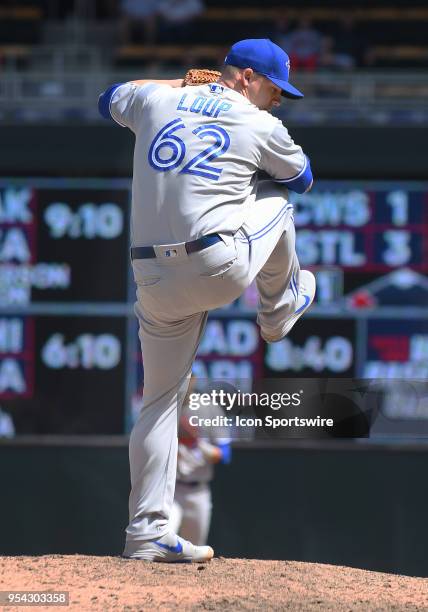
285 161
124 102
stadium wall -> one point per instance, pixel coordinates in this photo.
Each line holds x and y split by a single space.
106 151
354 504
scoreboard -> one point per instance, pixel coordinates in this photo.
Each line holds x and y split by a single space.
355 232
64 304
370 229
69 352
56 242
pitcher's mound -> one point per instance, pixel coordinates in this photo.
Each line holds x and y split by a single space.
112 583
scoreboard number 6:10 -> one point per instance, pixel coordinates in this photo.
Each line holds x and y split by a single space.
86 351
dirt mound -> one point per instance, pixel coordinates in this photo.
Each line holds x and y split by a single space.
111 583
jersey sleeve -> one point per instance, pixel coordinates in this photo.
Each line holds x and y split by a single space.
125 102
220 436
285 161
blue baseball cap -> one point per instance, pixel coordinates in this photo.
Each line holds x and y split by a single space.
266 58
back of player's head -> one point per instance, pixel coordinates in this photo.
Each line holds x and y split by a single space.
266 58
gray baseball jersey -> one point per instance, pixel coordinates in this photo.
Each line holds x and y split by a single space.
195 159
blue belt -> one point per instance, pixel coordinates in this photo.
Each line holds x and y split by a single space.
193 246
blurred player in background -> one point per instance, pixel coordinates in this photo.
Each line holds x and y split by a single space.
7 428
199 449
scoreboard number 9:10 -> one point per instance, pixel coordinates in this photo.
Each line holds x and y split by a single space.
88 221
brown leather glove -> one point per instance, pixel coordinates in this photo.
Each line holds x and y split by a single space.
200 76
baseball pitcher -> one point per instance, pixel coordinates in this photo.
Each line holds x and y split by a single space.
203 227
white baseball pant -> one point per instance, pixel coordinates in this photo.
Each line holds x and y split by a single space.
191 512
174 295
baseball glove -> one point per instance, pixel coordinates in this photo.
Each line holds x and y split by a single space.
200 76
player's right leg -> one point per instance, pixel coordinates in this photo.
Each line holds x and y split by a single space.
265 251
285 291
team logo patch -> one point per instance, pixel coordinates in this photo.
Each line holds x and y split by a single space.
287 63
216 89
171 253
